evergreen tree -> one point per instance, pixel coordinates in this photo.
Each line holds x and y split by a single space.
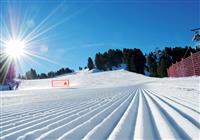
127 53
136 61
131 64
140 61
164 63
31 74
152 64
80 68
43 76
100 61
51 74
90 64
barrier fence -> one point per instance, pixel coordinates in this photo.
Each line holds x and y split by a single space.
186 67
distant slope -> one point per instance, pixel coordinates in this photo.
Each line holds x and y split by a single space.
90 79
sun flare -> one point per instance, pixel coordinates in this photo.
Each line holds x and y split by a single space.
15 48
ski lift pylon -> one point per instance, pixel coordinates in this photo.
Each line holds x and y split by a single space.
196 36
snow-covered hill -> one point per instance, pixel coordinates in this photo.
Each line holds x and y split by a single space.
103 105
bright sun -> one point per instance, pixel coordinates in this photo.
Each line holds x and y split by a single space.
15 48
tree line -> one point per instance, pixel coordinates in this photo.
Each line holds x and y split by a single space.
32 74
155 62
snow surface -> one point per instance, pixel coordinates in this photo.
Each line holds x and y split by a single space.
103 105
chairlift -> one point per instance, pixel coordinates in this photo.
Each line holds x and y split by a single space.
196 36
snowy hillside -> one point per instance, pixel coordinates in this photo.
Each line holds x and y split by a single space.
103 105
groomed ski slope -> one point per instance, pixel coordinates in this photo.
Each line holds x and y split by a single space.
105 105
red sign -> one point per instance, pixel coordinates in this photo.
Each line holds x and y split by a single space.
60 83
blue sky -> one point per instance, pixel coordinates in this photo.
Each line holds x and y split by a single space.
73 30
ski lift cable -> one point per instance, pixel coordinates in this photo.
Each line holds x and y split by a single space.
197 31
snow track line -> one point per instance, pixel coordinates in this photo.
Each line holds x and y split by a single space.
188 117
40 106
35 125
151 118
30 112
27 115
124 129
23 121
183 127
178 102
59 131
37 132
161 122
106 127
100 120
46 107
26 110
51 110
181 104
30 127
185 101
145 125
56 123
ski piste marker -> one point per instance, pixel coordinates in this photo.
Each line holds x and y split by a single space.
60 83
